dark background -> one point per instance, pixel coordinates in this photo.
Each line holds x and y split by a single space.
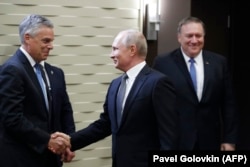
229 19
226 33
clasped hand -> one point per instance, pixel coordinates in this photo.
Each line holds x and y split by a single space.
59 143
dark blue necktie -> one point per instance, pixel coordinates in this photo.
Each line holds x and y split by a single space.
193 72
43 83
120 98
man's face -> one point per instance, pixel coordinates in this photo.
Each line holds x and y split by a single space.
191 38
121 54
39 46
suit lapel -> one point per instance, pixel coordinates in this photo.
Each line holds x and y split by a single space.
28 69
139 81
178 58
30 72
113 93
50 74
180 62
207 73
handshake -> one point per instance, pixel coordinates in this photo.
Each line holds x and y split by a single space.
59 143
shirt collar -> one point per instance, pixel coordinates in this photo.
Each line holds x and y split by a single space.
134 71
30 59
197 58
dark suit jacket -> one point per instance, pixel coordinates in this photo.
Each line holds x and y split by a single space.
149 121
213 120
25 123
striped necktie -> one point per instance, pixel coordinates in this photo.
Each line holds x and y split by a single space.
43 83
120 98
193 72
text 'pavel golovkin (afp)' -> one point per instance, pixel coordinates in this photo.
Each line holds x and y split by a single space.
199 158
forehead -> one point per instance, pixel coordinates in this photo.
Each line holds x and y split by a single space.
117 40
45 32
192 28
45 29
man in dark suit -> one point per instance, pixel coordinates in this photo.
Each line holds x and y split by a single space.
207 109
26 123
148 121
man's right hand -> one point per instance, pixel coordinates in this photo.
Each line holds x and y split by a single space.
59 142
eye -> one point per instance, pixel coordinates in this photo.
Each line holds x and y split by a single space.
46 41
198 35
190 36
114 48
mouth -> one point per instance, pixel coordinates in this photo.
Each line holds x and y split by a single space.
46 54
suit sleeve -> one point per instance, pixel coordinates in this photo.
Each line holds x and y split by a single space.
164 101
229 109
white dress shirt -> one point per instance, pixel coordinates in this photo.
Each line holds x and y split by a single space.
199 66
132 74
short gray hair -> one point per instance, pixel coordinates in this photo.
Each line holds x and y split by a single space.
135 37
31 24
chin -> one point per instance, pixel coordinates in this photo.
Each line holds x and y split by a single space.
45 57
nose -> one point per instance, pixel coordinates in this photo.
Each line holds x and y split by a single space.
50 46
194 39
111 55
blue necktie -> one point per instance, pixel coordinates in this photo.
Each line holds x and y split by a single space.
120 98
193 72
43 82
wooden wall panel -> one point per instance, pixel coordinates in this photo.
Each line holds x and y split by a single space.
84 31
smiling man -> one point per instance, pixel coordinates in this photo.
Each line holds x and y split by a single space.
205 97
145 119
33 105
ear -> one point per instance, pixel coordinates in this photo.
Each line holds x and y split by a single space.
26 38
133 49
179 38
